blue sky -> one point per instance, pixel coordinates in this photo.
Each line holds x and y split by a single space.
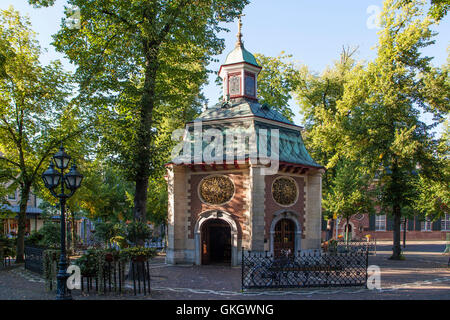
312 31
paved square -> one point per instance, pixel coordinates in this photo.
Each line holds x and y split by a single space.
423 275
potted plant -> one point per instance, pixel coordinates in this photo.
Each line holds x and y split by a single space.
111 254
138 254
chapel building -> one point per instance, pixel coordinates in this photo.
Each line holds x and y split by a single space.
244 179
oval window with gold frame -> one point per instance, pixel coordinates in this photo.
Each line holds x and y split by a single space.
284 191
216 190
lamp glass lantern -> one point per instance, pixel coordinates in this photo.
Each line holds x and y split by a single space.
51 177
61 159
73 178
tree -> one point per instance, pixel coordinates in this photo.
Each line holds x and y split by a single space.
348 193
439 9
35 115
134 56
276 82
382 104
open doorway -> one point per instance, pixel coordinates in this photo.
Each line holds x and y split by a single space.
216 242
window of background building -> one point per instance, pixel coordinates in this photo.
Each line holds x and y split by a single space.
12 196
445 223
380 222
402 225
426 225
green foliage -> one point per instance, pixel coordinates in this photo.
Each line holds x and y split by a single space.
138 231
348 193
369 115
134 253
50 260
50 235
140 67
157 201
106 231
276 82
88 262
35 112
439 9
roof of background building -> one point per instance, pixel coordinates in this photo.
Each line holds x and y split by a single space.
16 209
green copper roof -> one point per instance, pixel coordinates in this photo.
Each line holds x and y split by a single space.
242 108
291 146
240 54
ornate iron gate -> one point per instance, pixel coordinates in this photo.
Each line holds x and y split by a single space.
304 269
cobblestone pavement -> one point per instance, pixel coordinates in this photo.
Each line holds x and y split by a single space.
423 275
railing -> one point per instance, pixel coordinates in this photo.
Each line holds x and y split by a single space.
112 279
304 269
357 246
34 259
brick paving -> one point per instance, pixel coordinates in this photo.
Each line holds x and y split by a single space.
423 275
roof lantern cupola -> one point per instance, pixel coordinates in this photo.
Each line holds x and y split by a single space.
240 71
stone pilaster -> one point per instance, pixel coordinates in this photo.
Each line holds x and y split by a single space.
257 208
313 210
177 214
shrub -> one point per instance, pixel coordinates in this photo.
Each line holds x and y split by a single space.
106 231
138 231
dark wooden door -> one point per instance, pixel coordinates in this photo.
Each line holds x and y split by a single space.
216 242
284 238
205 245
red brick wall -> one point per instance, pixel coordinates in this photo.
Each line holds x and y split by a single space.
272 207
362 226
410 235
235 206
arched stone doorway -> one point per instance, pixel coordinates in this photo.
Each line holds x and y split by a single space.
216 242
284 237
285 233
205 227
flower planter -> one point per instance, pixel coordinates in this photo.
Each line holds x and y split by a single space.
109 257
139 259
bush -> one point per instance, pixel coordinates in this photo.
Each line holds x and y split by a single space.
88 262
106 231
138 231
34 239
51 235
137 252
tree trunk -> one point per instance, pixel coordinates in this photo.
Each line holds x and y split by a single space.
73 231
396 189
404 232
396 249
346 230
24 194
143 152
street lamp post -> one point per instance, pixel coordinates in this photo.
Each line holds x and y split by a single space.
72 181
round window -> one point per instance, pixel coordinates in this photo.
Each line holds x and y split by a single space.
216 190
284 191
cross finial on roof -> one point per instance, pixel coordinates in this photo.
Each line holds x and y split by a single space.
239 35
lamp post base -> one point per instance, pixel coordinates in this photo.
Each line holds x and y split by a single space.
62 293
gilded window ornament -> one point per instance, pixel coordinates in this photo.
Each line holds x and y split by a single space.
216 190
284 191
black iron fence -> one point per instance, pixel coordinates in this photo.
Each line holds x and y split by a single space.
357 246
34 259
117 277
304 269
